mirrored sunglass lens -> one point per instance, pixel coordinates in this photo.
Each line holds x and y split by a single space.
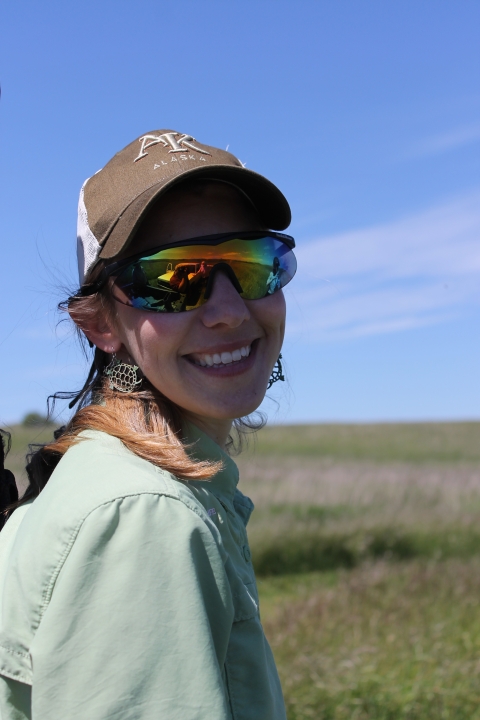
177 279
143 290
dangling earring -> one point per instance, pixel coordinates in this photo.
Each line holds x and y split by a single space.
122 376
277 373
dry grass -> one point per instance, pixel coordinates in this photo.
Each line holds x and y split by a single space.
364 475
440 490
317 514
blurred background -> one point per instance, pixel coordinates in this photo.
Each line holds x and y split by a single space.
367 479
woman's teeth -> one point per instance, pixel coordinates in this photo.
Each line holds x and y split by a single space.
219 359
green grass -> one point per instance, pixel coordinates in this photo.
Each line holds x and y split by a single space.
385 442
381 642
310 550
366 540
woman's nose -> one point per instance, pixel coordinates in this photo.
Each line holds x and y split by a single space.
224 306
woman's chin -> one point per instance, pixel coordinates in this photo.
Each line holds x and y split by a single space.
225 409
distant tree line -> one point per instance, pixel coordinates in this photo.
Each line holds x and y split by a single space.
32 419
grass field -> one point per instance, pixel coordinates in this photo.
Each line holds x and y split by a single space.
382 641
366 541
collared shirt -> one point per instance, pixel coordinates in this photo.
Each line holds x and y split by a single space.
126 594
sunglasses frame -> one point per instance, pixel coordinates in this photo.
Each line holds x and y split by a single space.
218 239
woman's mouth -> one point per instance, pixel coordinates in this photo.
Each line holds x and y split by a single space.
222 359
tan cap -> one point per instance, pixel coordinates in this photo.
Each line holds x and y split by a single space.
113 201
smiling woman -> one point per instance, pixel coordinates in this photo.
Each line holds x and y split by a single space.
125 576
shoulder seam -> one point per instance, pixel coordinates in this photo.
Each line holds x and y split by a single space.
15 652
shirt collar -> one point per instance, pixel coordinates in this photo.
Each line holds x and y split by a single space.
224 483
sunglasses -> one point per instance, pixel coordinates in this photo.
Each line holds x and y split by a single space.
180 276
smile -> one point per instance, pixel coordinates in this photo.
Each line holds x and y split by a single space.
221 359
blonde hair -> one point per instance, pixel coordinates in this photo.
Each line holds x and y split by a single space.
148 425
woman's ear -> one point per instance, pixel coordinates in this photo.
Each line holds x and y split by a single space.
98 329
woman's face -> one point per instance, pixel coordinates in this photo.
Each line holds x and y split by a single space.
242 337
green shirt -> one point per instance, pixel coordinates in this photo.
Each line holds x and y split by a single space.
126 594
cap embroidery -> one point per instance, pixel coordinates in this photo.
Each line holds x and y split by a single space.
170 139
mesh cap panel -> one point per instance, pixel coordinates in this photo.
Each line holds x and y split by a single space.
88 248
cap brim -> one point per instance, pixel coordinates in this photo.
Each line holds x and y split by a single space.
270 203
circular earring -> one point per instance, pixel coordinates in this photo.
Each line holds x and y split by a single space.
123 376
277 373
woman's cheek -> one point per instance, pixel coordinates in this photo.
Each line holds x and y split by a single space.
270 312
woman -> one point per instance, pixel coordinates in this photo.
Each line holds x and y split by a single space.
179 280
274 282
126 584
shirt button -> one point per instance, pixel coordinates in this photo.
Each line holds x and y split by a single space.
246 553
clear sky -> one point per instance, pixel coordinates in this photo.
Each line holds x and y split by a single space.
367 116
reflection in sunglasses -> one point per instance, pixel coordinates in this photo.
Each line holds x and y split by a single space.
162 283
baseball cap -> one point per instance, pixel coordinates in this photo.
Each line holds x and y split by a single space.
113 201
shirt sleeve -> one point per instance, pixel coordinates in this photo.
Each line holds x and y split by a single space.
139 619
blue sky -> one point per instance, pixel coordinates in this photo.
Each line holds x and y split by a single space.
366 115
